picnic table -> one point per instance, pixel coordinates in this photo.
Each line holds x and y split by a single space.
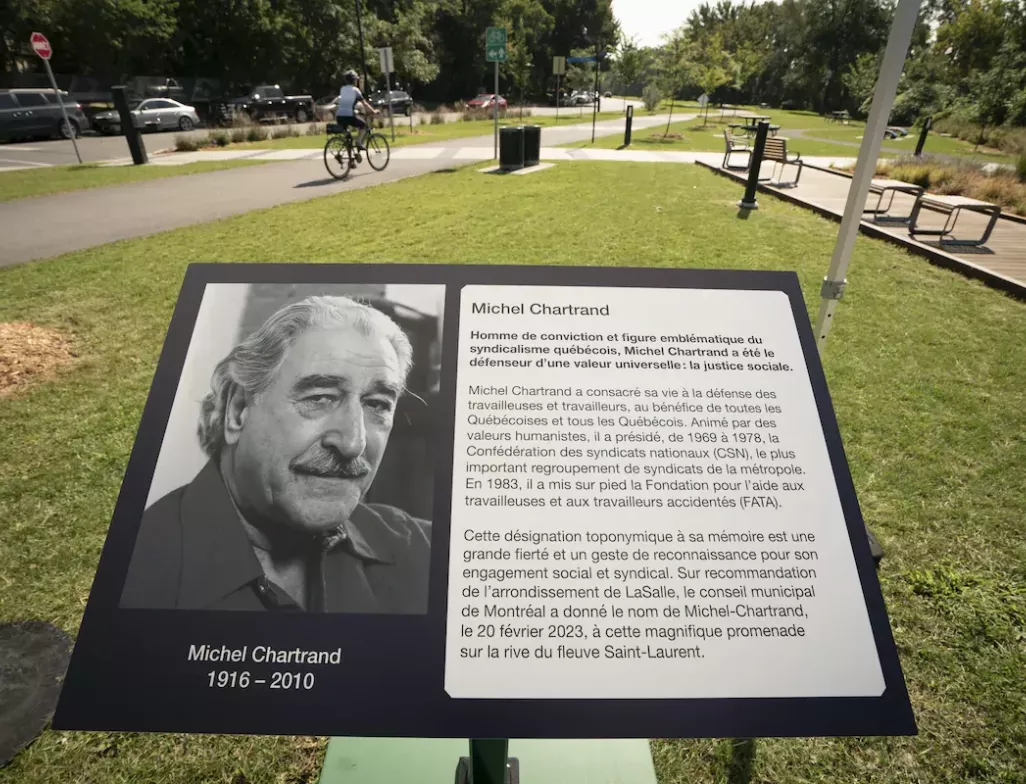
750 128
839 116
753 119
953 207
728 107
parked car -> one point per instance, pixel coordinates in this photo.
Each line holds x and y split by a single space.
579 97
402 102
268 102
25 114
486 100
607 94
153 114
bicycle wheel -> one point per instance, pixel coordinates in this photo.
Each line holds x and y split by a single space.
378 152
338 157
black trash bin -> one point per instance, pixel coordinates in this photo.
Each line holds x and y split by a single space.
532 145
511 148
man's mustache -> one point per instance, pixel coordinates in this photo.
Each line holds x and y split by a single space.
329 464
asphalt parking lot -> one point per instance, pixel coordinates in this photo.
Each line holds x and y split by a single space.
54 152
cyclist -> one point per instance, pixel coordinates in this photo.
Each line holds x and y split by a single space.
349 97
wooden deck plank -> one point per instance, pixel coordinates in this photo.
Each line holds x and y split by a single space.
1004 254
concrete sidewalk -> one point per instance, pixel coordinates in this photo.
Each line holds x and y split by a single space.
46 226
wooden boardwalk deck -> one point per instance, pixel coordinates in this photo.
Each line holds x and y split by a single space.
1001 263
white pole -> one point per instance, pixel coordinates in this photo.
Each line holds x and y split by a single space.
495 109
388 93
64 112
865 167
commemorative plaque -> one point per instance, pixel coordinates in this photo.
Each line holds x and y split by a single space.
487 502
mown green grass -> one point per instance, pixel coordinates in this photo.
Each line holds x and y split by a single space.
935 143
23 183
927 372
693 136
809 133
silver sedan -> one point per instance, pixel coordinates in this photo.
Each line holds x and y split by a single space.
157 114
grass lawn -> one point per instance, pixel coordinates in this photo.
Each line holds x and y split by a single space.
810 134
426 134
698 138
58 179
935 143
927 372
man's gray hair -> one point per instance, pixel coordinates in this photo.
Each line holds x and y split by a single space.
253 364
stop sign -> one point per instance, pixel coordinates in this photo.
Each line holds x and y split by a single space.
41 45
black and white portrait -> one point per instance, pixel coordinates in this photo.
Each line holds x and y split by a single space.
296 471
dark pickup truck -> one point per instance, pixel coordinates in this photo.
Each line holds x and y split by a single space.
268 103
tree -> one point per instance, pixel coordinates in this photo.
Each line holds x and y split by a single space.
860 79
525 21
674 72
627 65
518 64
408 30
709 66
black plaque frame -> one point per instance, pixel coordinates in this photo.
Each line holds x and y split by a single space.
129 669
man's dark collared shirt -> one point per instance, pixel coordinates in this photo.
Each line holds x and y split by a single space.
192 553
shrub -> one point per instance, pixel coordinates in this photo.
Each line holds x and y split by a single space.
316 129
284 132
186 144
438 116
238 135
651 97
219 137
256 133
1003 189
241 120
958 177
1005 138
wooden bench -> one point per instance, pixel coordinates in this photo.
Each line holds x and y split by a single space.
952 206
734 145
776 151
882 187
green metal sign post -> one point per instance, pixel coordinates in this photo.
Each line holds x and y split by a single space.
495 52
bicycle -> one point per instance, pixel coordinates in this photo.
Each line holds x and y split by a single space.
342 154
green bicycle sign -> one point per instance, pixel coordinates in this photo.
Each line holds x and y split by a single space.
495 45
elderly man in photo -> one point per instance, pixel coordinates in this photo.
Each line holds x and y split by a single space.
295 426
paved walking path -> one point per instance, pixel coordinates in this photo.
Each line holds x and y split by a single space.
45 226
459 154
1001 263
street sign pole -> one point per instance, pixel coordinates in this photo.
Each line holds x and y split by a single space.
595 104
386 65
388 92
41 46
495 52
558 68
64 112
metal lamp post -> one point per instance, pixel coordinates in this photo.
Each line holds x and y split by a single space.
363 54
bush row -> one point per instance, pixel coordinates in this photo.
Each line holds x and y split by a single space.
1001 137
222 137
